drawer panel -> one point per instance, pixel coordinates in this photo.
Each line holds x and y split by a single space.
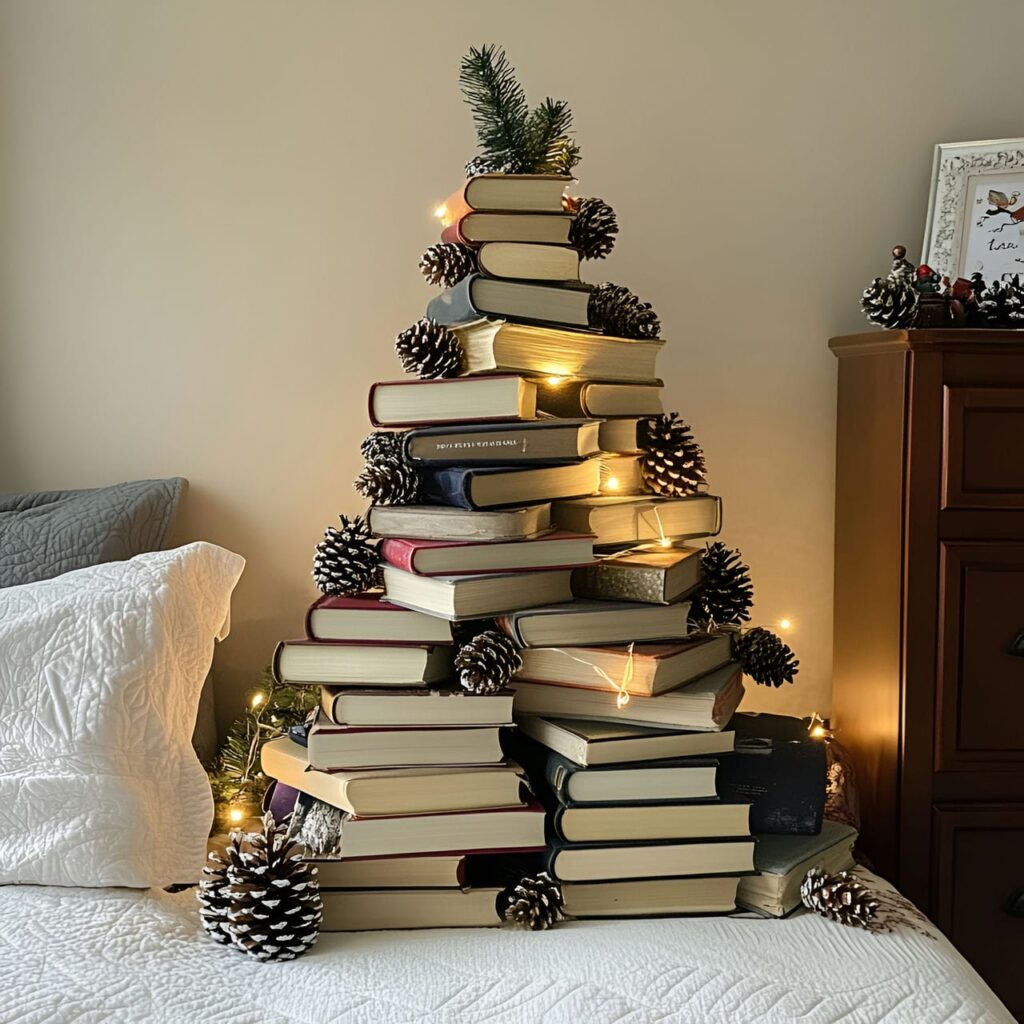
980 698
980 892
983 463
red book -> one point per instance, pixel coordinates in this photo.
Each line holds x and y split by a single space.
369 618
447 558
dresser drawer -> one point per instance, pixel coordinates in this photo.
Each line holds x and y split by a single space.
980 892
983 465
980 698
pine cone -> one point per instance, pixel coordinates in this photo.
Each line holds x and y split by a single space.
484 165
487 662
276 909
725 592
673 462
535 903
1000 304
593 227
839 897
764 657
429 350
345 561
389 480
614 309
214 900
382 443
447 263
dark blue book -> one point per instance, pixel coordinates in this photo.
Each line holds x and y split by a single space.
477 297
482 487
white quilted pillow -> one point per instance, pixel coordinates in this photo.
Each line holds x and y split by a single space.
100 675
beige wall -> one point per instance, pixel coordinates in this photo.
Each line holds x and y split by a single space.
212 211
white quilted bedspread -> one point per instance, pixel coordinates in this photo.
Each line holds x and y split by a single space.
107 956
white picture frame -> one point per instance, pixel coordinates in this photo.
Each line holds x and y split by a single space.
976 209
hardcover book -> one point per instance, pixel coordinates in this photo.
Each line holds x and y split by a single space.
619 435
361 707
651 897
444 558
508 193
483 487
368 618
620 474
477 296
622 521
525 262
355 910
638 823
476 228
537 443
491 346
654 576
585 398
582 623
353 663
434 522
414 403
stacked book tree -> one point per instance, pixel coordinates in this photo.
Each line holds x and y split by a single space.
527 659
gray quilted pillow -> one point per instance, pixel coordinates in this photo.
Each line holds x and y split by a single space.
53 532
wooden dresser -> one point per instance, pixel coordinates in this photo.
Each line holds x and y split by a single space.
929 625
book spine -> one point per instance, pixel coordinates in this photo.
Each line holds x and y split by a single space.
398 553
447 487
275 663
308 621
453 233
509 625
454 305
564 400
620 583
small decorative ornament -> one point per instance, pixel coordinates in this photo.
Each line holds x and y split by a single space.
892 302
389 480
725 593
934 309
345 561
672 463
486 663
768 660
534 903
839 897
447 263
275 908
614 309
429 350
593 227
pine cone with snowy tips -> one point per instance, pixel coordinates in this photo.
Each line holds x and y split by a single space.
839 897
486 663
889 304
535 903
614 309
725 593
429 350
764 657
276 910
672 463
447 263
594 227
345 561
383 443
389 480
214 900
484 165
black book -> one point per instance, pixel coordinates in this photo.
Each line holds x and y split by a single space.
780 769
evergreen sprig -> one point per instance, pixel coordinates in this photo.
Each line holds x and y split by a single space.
511 137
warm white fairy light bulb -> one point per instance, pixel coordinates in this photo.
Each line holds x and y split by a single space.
235 815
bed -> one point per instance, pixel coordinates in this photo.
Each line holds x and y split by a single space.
120 955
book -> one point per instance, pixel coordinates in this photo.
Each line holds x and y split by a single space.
588 862
457 558
653 576
620 474
537 442
414 403
476 597
516 828
534 193
369 618
432 522
491 346
358 910
347 747
476 228
354 663
619 435
645 670
527 262
614 520
636 823
651 897
586 398
420 871
704 706
476 296
783 861
361 707
582 623
591 744
481 487
422 790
